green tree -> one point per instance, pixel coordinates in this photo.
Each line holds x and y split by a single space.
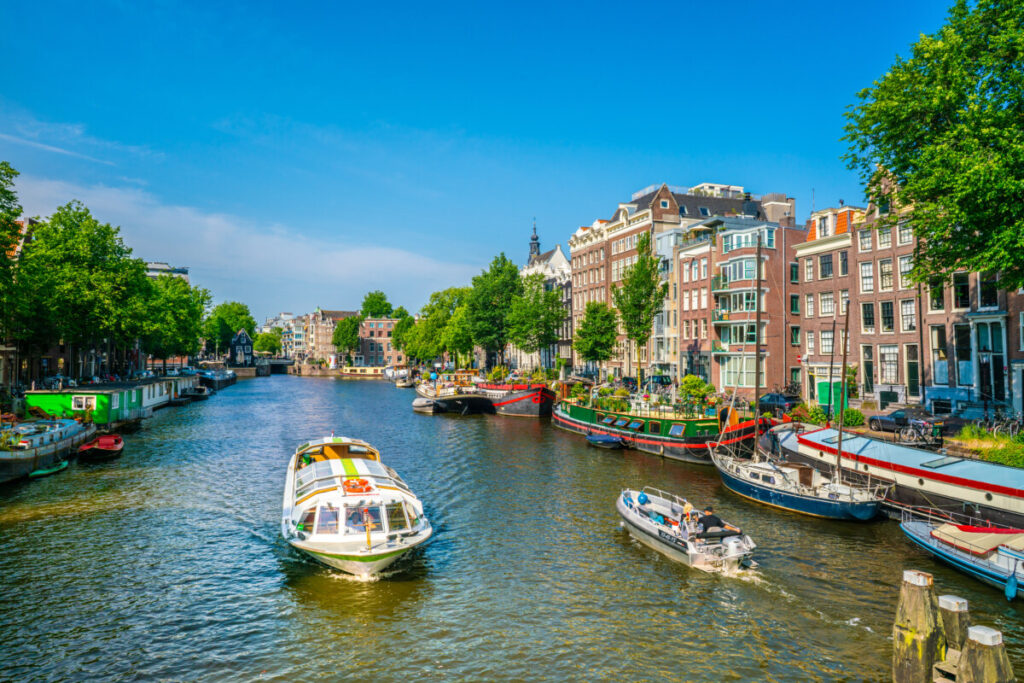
694 389
641 295
939 138
224 322
375 305
596 336
429 339
458 335
491 298
175 317
267 342
535 317
10 235
400 333
346 335
400 313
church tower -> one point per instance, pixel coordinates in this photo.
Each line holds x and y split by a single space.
534 244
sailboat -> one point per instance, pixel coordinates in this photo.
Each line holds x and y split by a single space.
796 487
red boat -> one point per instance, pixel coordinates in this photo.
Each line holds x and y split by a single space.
102 448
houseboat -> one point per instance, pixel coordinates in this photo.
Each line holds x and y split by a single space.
39 446
108 406
917 478
519 400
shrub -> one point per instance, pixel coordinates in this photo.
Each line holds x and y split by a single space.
622 393
498 374
579 391
604 391
800 413
853 418
816 415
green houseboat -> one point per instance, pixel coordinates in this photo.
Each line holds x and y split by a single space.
666 433
107 405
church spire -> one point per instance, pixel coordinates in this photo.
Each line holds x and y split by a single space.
534 243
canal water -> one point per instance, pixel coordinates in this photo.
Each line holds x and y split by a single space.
168 564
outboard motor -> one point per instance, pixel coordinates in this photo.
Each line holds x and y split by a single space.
733 546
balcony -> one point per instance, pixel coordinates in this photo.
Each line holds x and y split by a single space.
720 314
719 283
719 347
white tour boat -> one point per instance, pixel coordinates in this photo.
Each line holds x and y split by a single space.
346 509
663 521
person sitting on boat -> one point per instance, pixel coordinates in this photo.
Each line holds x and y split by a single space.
709 520
355 520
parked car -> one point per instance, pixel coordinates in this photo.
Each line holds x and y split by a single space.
896 420
776 404
629 383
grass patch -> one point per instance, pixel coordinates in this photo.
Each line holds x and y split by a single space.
999 449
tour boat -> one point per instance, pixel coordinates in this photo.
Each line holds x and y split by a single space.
519 400
347 510
796 487
992 554
662 521
39 446
917 477
662 432
104 447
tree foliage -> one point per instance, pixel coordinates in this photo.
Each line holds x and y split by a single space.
346 334
492 295
400 332
940 138
596 335
400 313
224 322
267 342
10 209
641 295
428 337
174 318
375 305
535 317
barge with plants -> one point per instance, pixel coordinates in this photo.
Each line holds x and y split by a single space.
39 446
520 400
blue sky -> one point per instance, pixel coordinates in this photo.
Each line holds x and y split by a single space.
296 155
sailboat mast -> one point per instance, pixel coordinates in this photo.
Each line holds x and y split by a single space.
842 396
757 343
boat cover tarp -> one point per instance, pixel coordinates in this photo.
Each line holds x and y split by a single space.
978 540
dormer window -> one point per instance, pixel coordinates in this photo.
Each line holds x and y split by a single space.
704 211
823 227
664 203
682 210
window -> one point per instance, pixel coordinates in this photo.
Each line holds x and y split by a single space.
354 518
686 273
703 297
794 305
827 303
887 316
908 316
794 272
961 290
664 203
864 240
988 289
962 355
809 306
867 277
396 517
906 265
937 296
794 335
823 230
810 343
693 269
844 300
885 275
825 266
884 238
327 522
889 358
940 364
1020 332
83 403
808 270
905 234
686 301
703 211
913 370
703 267
703 328
826 341
844 266
868 368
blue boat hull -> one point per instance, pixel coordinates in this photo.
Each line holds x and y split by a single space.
994 579
807 505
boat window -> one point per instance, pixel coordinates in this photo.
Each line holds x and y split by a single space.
396 517
358 449
354 518
654 427
608 420
410 511
754 475
306 521
327 522
636 424
622 422
676 430
941 462
768 479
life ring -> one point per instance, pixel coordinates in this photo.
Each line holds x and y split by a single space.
357 486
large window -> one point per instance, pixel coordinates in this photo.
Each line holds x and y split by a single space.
794 272
864 240
908 315
825 266
868 368
905 234
913 370
826 341
810 343
887 316
867 318
961 290
885 275
844 266
808 269
739 371
884 238
937 295
940 363
809 306
906 265
962 355
867 277
988 289
889 360
844 300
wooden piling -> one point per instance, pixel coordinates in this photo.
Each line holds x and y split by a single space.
918 639
955 620
983 658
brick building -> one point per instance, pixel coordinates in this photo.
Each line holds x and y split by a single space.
318 332
375 348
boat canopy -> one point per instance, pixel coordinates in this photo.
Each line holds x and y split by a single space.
337 447
327 475
979 540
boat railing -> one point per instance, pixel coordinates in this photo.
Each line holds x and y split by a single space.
963 548
666 495
910 513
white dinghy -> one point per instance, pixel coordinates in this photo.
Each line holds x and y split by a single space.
346 509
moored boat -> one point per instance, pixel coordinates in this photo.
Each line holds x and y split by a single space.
605 441
663 521
405 383
346 509
992 554
199 393
519 400
103 447
56 467
458 398
33 446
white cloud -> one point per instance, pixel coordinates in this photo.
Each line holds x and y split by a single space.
68 139
271 267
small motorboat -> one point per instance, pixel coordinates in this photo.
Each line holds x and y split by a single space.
104 447
662 521
405 383
59 466
346 509
606 441
199 392
428 406
992 554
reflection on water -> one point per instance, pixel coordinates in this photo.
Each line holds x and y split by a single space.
168 562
